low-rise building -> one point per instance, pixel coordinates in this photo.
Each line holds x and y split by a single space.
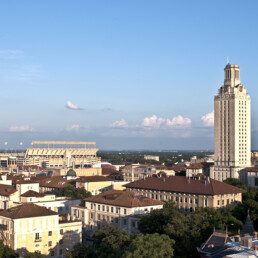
219 244
249 176
94 184
121 209
8 195
151 157
30 228
188 193
62 205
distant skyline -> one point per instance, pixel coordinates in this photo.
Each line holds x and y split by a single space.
126 74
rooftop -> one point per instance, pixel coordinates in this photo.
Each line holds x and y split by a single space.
27 210
185 185
123 198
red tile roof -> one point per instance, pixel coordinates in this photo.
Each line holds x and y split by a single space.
27 210
185 185
6 190
123 198
32 193
86 179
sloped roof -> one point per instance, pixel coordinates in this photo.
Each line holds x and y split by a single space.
6 190
86 179
123 198
248 228
32 193
185 185
27 210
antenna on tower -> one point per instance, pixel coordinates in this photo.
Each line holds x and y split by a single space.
227 60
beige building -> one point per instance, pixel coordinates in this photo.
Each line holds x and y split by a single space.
62 154
188 193
151 157
136 172
232 127
8 196
94 184
122 209
30 228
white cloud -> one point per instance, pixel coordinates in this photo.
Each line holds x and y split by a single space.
178 121
152 121
77 128
175 122
119 124
73 128
20 128
10 53
208 119
70 105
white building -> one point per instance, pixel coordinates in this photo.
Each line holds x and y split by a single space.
232 127
121 209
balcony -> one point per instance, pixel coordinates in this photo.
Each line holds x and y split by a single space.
37 239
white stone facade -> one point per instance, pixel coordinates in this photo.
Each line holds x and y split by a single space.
232 127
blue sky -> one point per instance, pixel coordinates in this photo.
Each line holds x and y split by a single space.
127 74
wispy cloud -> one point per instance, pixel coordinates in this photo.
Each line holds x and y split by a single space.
107 109
208 119
119 124
70 105
20 128
10 53
77 128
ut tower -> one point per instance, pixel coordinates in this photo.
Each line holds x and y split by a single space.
232 127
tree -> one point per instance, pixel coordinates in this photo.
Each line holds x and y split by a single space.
34 255
150 245
6 251
71 191
111 241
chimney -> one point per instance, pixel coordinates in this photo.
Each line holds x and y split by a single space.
237 238
255 235
246 242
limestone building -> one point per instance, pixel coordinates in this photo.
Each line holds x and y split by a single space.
188 193
232 127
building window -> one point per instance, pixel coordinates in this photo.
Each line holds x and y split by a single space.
133 224
49 243
98 216
61 231
82 213
37 236
124 211
124 221
181 199
112 209
117 210
61 241
222 202
218 202
52 253
186 200
116 220
103 208
49 233
107 208
99 207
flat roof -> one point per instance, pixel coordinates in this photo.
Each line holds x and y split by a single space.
61 142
